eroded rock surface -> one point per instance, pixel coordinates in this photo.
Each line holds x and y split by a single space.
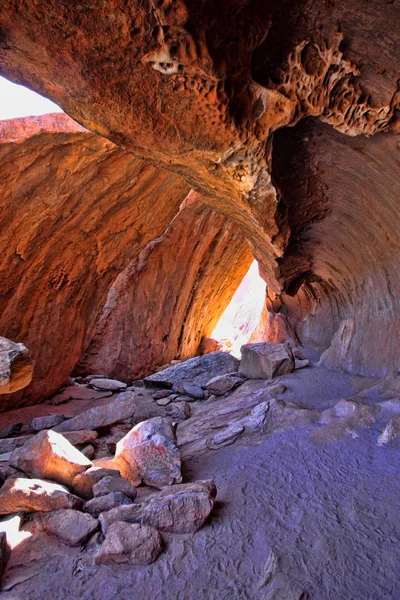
60 253
16 366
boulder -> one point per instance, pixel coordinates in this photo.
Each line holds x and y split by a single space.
182 508
114 483
47 422
149 454
265 360
16 366
179 411
84 482
32 495
222 384
79 392
95 506
184 387
112 385
70 526
208 345
136 544
197 370
49 455
121 407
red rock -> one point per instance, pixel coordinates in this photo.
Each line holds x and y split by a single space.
49 455
192 278
32 495
79 392
208 345
136 544
60 256
148 454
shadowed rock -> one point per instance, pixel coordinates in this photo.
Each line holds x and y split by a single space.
266 360
136 544
183 508
121 407
70 526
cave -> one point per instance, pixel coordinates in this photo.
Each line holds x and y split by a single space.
199 300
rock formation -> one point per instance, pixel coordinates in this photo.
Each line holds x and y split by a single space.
75 210
217 93
170 296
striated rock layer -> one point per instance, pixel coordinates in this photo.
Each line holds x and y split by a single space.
174 293
75 210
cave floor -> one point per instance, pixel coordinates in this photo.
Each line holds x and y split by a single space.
297 518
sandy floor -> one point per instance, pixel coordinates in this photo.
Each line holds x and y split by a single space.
296 519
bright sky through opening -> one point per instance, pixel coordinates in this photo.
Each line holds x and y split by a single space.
18 101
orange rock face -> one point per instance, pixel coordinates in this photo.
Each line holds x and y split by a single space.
75 210
217 93
174 293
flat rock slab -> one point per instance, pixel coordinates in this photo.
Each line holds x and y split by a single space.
265 360
33 495
197 370
84 482
46 422
136 544
222 384
181 508
120 408
70 526
150 454
49 455
79 392
112 385
95 506
186 388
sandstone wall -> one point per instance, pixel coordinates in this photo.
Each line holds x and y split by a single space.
171 295
75 210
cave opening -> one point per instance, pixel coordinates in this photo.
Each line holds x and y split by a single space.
243 320
18 101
